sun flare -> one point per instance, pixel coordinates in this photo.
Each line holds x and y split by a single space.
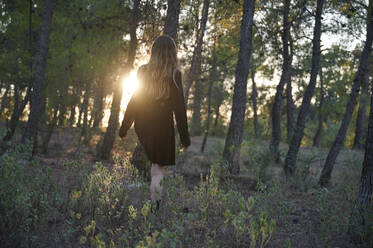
130 84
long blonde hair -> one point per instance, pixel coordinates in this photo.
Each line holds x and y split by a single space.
160 70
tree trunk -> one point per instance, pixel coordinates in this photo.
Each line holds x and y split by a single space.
285 75
61 115
289 98
172 18
37 107
99 106
208 116
50 129
195 127
5 97
72 115
212 78
254 98
85 111
233 140
291 157
361 116
195 65
217 110
80 116
362 71
316 139
104 151
62 107
364 197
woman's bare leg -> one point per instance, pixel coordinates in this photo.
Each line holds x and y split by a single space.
155 185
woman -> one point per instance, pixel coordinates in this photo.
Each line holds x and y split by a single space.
160 94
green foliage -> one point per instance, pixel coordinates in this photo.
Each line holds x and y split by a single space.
28 197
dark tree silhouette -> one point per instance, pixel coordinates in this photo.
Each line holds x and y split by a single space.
196 59
172 18
289 97
99 104
291 157
316 139
364 197
361 114
37 106
361 72
104 150
285 77
233 140
254 99
194 76
212 78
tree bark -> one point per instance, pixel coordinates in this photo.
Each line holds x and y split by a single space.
104 151
80 108
195 66
212 78
233 140
361 116
362 71
99 106
254 99
316 139
85 111
50 129
195 127
5 97
217 114
72 115
285 75
61 115
364 197
172 18
289 97
208 116
17 112
37 107
291 157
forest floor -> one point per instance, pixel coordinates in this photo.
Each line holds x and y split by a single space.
104 204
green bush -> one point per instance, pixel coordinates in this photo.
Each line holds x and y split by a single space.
27 197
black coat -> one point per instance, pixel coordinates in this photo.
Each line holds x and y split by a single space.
154 122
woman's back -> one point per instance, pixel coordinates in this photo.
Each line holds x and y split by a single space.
154 122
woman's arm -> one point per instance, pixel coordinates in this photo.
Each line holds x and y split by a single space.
129 118
180 111
130 114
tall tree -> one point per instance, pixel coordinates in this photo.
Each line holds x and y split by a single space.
254 99
104 150
195 127
285 77
289 97
4 98
360 74
233 140
172 18
291 157
361 114
212 78
99 104
196 58
37 107
364 197
316 139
